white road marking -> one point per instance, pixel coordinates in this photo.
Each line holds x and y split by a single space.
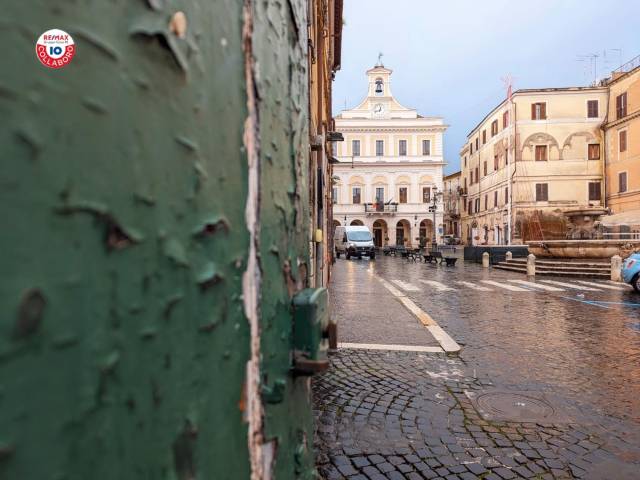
573 286
395 348
513 288
620 284
473 286
408 287
394 291
601 285
447 343
441 287
537 285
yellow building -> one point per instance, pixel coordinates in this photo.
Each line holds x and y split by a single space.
325 37
451 200
622 139
533 167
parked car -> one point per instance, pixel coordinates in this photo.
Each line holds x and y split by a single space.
631 271
354 241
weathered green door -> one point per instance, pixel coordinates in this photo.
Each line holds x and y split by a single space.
154 206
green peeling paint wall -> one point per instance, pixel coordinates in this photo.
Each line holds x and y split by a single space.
123 186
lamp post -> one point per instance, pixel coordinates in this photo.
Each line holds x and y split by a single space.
433 208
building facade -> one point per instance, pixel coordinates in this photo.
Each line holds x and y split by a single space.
325 37
533 168
390 168
622 140
451 201
146 297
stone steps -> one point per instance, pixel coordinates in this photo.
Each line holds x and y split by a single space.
577 263
561 269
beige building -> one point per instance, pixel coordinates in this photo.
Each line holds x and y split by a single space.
622 140
533 167
390 167
452 201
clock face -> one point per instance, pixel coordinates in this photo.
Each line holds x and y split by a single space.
378 108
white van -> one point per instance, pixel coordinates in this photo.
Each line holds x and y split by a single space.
354 241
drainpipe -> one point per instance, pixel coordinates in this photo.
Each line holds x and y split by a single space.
605 153
511 183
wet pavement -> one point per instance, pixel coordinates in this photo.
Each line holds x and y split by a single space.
547 384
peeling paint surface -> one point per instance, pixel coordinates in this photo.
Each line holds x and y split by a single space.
123 184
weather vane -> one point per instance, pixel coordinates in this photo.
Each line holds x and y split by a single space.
380 59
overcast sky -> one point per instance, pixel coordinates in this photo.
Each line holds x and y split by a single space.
449 57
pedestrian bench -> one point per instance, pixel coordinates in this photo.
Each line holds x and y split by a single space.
413 255
450 261
432 257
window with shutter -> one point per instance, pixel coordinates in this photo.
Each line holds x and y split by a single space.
486 202
541 153
595 193
356 195
484 137
496 162
539 111
594 151
402 147
403 194
542 192
592 109
506 195
494 128
485 168
622 182
477 144
355 148
426 194
505 119
379 148
621 105
495 198
622 141
426 147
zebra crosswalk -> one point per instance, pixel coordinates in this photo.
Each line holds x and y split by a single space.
537 285
511 285
441 287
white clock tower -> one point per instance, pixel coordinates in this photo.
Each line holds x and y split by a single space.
390 167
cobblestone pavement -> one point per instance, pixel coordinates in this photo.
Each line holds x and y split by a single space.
545 387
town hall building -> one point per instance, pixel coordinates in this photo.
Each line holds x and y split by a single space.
389 174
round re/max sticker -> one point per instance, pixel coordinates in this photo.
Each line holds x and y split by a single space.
55 48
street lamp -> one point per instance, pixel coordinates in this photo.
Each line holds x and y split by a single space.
433 208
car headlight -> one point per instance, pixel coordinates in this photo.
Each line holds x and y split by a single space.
352 245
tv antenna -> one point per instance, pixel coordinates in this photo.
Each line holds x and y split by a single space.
592 58
508 84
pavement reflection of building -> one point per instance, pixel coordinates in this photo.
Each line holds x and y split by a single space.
390 166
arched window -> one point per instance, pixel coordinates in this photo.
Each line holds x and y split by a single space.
379 89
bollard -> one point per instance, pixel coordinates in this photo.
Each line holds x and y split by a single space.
616 268
485 259
508 256
531 265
